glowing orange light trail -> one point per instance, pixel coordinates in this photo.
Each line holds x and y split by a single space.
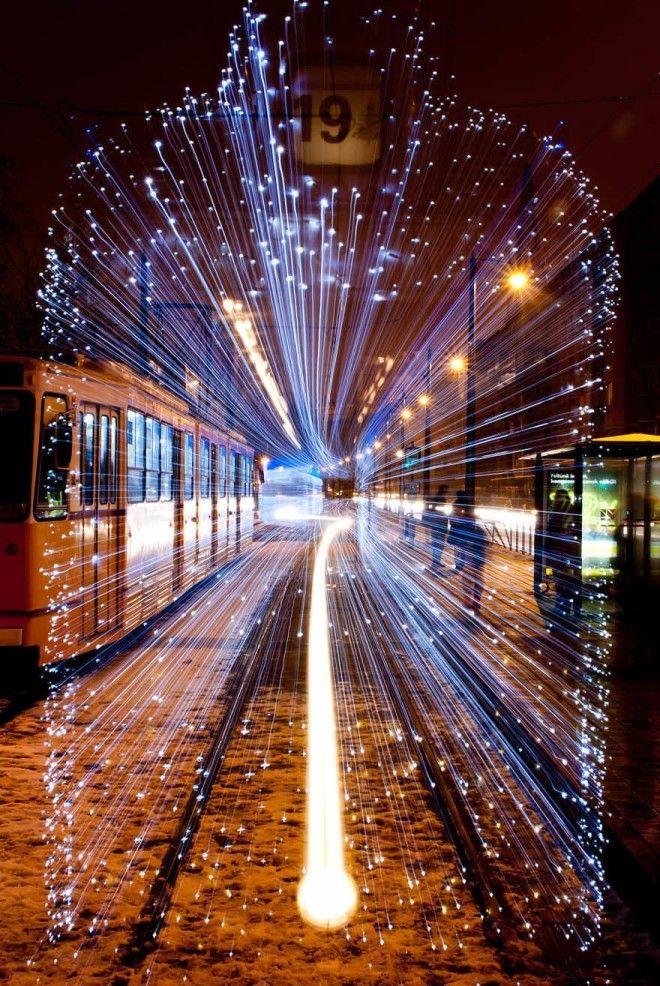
327 895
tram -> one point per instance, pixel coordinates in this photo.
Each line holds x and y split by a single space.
115 498
334 486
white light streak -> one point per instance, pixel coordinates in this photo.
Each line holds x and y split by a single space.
327 895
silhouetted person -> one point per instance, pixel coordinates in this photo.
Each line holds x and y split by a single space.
475 541
437 521
411 491
456 536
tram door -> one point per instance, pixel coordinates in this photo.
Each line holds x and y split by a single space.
99 439
214 504
177 496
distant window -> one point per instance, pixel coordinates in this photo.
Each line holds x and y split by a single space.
189 467
135 456
87 428
204 468
223 471
214 473
51 501
112 459
166 462
152 456
104 459
16 439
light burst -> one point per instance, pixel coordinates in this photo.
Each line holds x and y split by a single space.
297 254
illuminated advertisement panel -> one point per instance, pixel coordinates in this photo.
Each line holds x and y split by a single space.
602 519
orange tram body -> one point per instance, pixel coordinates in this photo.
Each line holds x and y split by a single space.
116 499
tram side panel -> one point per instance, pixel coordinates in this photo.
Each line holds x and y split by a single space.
139 512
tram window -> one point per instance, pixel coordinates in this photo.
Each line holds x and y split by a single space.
112 459
223 471
51 501
214 472
16 438
166 462
189 467
204 468
104 459
152 455
87 458
135 456
234 474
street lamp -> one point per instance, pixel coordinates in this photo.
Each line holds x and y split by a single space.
425 402
517 280
405 416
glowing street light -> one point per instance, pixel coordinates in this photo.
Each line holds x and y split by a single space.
457 364
518 280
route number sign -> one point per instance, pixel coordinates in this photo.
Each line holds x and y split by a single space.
337 117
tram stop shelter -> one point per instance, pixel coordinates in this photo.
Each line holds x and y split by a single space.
613 484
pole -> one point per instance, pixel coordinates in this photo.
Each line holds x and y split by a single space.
144 315
471 400
427 430
403 449
388 454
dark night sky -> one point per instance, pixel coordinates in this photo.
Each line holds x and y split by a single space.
561 59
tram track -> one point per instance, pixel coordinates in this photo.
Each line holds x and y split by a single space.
499 922
488 891
212 891
259 653
271 652
215 877
442 761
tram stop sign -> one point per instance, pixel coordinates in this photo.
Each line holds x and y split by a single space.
412 456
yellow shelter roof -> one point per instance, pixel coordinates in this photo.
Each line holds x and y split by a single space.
635 436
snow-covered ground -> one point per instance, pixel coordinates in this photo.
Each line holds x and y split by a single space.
93 780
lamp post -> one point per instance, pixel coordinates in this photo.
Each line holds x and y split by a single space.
427 430
405 414
471 398
517 281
